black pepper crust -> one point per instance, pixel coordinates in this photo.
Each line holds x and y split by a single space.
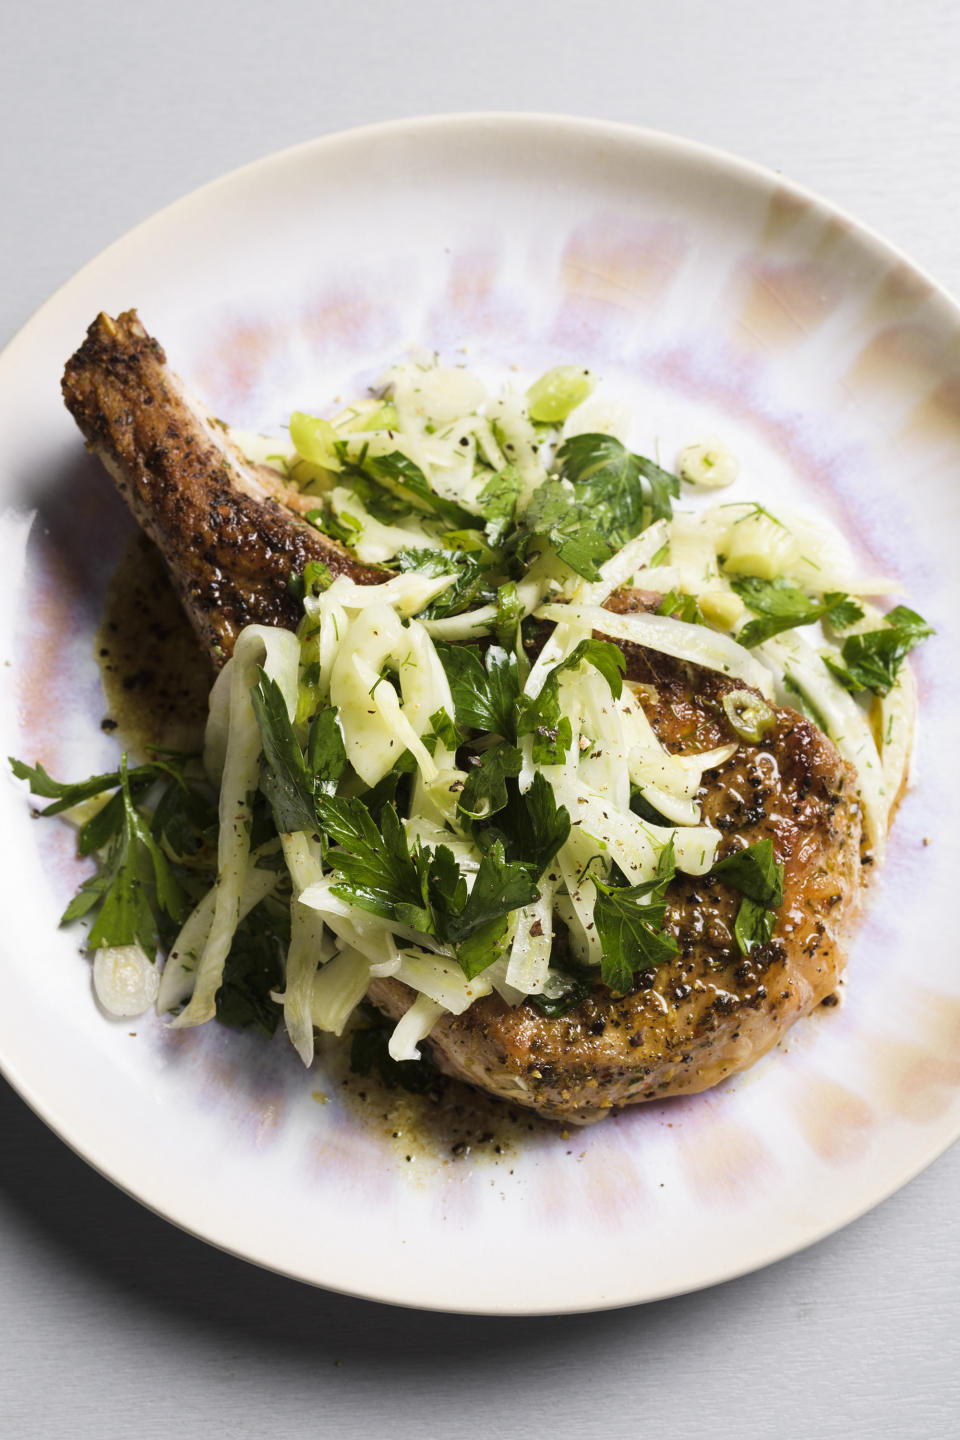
228 530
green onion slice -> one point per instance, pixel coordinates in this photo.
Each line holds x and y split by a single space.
750 716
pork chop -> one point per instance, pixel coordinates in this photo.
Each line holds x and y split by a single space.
231 535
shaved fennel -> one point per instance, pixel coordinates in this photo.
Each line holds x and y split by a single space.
442 790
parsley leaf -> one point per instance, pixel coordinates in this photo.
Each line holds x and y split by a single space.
404 481
446 887
377 871
754 925
395 787
754 872
630 942
425 890
427 562
126 914
315 579
555 512
254 968
444 729
136 888
681 607
759 878
485 789
284 777
97 832
844 611
871 661
485 692
64 795
509 615
67 794
629 920
342 528
541 716
532 827
477 928
607 477
783 606
664 488
598 500
326 756
497 503
290 779
470 587
185 820
92 892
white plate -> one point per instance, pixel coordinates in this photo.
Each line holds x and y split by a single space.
723 300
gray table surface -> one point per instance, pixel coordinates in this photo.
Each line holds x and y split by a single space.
112 1323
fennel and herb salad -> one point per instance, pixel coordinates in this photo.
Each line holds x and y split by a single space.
445 778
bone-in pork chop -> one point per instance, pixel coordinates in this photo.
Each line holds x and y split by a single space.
231 535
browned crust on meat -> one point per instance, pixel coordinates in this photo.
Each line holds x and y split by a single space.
710 1012
223 526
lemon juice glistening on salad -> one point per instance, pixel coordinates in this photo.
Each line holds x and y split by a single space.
569 761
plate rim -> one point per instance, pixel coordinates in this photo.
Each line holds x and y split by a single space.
533 119
647 138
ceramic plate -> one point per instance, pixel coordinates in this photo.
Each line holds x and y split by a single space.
720 299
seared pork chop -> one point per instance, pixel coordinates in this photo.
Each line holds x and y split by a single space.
231 536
